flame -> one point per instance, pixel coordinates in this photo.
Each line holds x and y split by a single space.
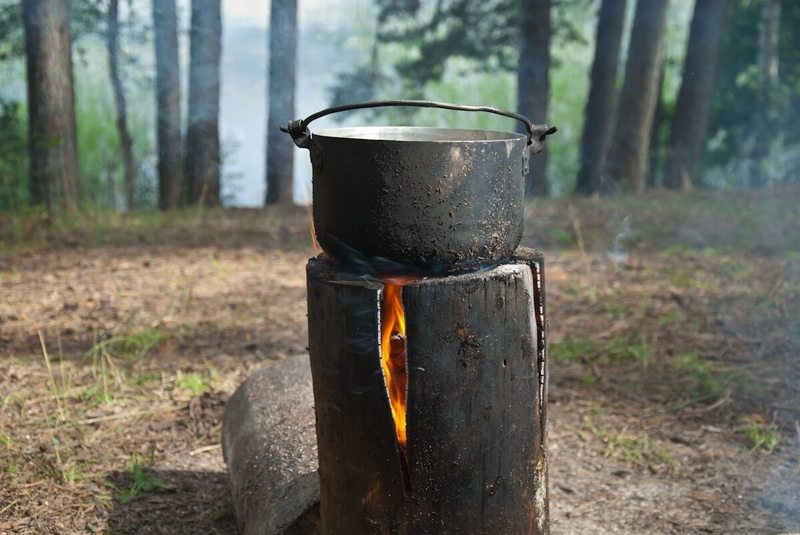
393 353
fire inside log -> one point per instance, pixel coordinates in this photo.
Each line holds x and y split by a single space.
474 457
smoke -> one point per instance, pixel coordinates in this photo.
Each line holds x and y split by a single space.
326 29
618 254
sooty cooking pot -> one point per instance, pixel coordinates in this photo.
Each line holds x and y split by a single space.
435 200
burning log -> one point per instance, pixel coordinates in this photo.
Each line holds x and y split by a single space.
463 450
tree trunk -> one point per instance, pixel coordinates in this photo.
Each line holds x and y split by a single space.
282 65
627 161
768 64
688 133
202 133
598 125
533 80
51 106
168 102
125 142
656 144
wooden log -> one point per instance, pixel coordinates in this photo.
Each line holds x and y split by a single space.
475 460
535 261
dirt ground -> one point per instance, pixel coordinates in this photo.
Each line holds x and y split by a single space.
674 393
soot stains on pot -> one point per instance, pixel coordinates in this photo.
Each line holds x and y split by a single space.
441 206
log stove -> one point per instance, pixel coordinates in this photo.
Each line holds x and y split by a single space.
427 339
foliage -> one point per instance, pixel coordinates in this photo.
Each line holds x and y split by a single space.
86 18
12 38
481 31
13 156
100 171
418 40
424 50
732 121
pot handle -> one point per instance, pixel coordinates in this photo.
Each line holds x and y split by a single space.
301 135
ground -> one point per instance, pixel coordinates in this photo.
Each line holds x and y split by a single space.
675 338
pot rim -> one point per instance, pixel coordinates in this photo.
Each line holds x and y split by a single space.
418 134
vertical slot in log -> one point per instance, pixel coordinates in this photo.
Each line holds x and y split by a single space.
475 407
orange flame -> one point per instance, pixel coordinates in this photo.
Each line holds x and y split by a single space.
393 353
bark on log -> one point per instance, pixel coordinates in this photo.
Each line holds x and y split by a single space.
475 460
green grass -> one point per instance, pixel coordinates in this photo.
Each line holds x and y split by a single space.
616 309
198 383
632 448
65 468
195 383
761 435
110 378
132 345
622 348
574 349
142 481
222 513
701 380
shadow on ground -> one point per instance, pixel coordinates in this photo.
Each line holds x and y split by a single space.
171 502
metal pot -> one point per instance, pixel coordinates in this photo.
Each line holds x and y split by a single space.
435 200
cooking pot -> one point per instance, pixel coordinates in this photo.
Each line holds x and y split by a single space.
414 199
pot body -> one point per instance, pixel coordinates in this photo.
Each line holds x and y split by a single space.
430 200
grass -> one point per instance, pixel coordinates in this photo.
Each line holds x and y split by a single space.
701 380
622 348
31 229
222 513
142 481
195 383
708 223
66 469
133 388
132 345
761 435
624 445
109 377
